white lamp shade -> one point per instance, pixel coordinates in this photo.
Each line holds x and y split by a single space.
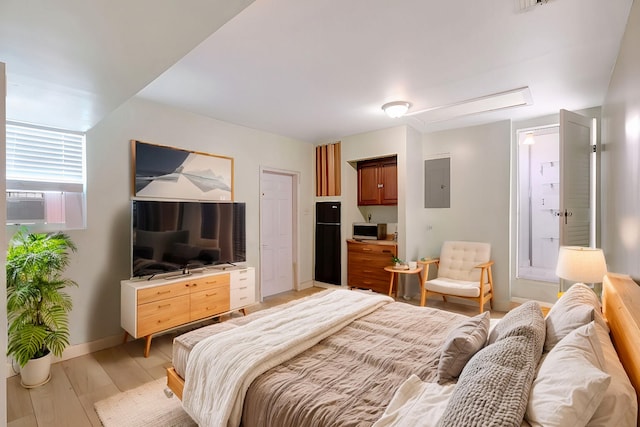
396 109
581 264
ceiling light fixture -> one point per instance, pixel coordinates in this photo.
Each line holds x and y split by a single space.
396 109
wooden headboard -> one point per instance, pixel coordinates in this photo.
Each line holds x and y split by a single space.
621 307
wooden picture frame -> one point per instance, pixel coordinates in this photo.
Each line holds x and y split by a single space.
165 172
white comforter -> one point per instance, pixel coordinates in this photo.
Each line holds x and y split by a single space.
221 368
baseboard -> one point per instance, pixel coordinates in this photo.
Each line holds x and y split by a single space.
77 350
89 347
326 285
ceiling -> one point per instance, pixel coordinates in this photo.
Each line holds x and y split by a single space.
314 71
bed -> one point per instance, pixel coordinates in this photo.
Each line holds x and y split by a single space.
384 366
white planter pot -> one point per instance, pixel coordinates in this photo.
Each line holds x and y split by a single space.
36 372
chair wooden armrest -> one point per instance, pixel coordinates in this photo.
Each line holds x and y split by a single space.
484 264
429 261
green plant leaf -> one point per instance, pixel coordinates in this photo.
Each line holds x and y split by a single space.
37 307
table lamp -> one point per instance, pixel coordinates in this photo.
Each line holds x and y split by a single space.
581 264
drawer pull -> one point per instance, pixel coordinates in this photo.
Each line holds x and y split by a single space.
243 278
366 249
194 285
386 251
212 295
163 292
162 321
212 282
244 287
164 306
243 298
367 271
366 282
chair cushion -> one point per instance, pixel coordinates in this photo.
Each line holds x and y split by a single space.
454 287
458 259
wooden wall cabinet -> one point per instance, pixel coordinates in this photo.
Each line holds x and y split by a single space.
149 307
366 263
378 182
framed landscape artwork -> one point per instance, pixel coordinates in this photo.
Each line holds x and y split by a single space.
174 173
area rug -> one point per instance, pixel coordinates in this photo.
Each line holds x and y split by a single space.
146 405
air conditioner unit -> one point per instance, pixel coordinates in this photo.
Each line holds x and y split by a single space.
21 210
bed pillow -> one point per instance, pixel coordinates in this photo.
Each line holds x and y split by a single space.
576 307
619 407
460 345
493 387
570 383
524 319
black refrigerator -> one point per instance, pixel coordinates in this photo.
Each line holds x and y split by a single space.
328 242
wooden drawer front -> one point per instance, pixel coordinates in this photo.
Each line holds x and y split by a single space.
158 293
363 276
378 284
209 302
210 282
160 315
381 250
369 261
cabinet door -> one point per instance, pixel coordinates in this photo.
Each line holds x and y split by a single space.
389 179
368 192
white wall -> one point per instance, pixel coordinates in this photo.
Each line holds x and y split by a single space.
621 156
103 248
480 195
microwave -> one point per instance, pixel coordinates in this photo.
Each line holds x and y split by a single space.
369 231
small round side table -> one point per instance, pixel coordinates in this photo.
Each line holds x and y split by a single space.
395 271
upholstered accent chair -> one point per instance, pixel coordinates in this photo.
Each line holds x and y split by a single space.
464 271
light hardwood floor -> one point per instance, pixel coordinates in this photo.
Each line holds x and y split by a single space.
76 384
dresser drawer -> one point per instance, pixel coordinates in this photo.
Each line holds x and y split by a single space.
243 295
380 250
158 293
209 302
209 282
366 282
376 263
160 315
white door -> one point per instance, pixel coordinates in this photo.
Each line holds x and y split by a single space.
576 148
276 233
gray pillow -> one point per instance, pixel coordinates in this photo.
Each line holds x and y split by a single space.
494 386
461 344
577 307
525 319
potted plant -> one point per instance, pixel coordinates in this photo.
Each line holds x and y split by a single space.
37 306
397 262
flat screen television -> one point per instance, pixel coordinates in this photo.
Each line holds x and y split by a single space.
179 236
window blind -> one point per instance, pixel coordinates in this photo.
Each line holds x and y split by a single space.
44 159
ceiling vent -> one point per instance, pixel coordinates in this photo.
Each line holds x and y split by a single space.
526 4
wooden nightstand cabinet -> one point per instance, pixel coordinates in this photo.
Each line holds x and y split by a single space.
366 263
152 306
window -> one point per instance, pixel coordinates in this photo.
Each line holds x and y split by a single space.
45 177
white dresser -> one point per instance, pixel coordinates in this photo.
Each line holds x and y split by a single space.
149 307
